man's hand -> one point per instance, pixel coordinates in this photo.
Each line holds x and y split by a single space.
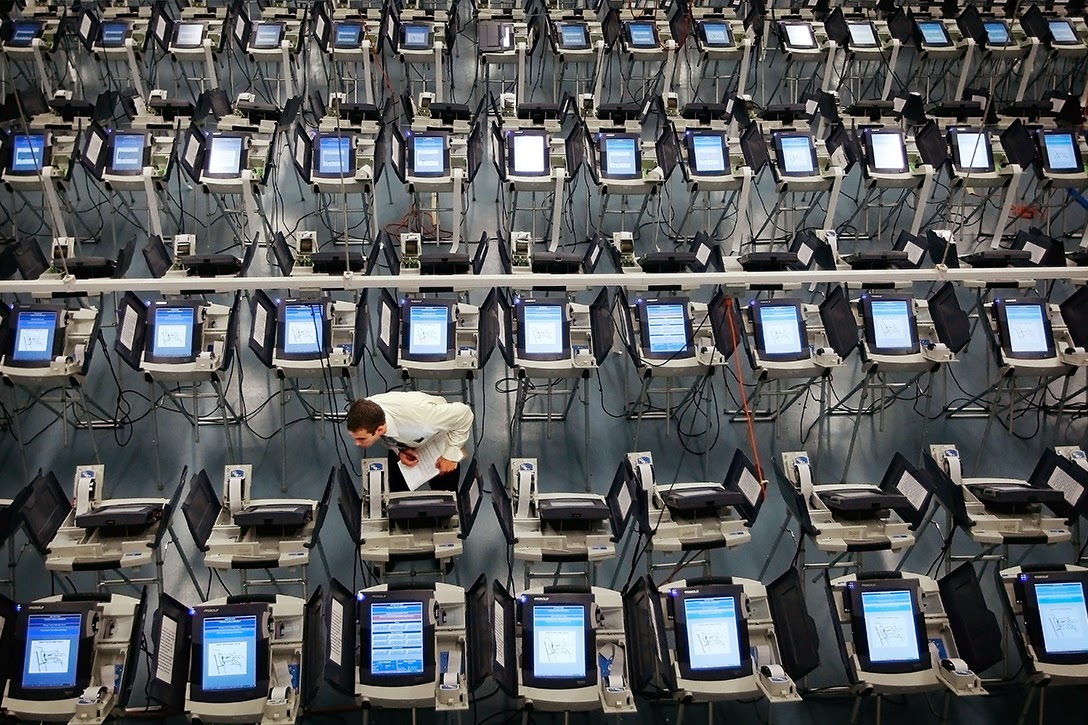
409 457
445 465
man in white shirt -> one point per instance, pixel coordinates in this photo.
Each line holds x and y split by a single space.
404 421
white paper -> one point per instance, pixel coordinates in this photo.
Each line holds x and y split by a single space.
913 491
336 632
94 147
914 253
750 487
128 329
804 254
386 325
501 315
500 636
1062 481
260 322
425 469
624 499
168 633
473 498
703 254
191 152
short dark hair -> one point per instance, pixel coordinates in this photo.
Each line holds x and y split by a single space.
365 415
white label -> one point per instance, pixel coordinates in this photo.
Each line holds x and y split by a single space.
260 322
501 316
386 325
1062 481
913 491
168 634
750 487
191 152
914 253
94 147
500 636
128 329
336 632
703 254
624 499
1036 251
473 499
804 254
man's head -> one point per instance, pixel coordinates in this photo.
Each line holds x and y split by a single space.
366 422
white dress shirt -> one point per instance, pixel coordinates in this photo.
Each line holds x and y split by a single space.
412 418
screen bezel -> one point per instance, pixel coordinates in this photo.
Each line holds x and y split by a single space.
561 41
627 34
410 155
365 603
1044 152
337 45
182 25
953 142
406 307
13 337
1008 32
643 305
84 655
788 42
689 142
779 164
254 45
281 329
520 305
755 309
527 603
603 141
46 159
1032 620
262 653
152 324
315 162
1000 308
870 153
124 36
854 590
403 36
511 136
677 599
1054 41
145 154
872 28
37 25
946 43
243 156
700 33
866 304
